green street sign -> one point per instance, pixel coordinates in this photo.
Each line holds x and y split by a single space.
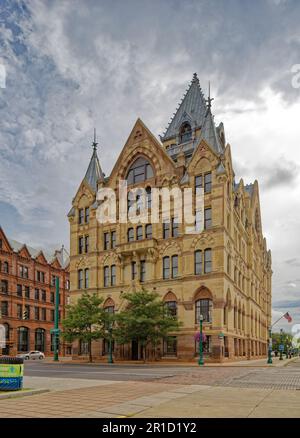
55 331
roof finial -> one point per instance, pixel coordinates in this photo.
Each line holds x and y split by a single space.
209 100
95 144
195 77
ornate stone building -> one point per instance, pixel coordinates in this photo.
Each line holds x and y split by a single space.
223 273
27 294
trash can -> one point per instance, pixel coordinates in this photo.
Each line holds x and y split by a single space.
11 373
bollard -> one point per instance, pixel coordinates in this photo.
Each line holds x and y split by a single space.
11 373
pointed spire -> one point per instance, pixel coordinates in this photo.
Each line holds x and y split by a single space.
94 172
94 144
209 99
192 106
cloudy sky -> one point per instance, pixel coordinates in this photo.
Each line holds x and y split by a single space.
74 65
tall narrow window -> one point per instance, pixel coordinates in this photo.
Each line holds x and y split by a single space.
142 271
133 270
204 308
174 227
113 275
130 235
207 261
80 279
86 278
106 241
148 197
166 230
149 231
198 182
106 276
207 218
139 232
86 244
174 266
166 267
113 239
198 262
80 245
80 216
185 133
207 182
172 307
87 215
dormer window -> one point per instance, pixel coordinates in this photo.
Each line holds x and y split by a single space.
185 133
140 171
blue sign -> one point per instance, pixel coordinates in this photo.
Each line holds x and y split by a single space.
281 347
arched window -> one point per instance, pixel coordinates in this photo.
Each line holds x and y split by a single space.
5 267
204 308
40 339
185 133
86 278
130 234
23 339
172 307
139 171
7 331
166 267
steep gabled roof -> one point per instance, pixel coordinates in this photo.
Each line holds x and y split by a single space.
192 108
209 133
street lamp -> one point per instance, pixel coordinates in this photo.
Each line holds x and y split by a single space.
201 361
280 346
270 346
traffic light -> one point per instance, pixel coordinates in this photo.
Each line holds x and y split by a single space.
25 314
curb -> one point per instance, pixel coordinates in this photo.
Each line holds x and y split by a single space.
24 393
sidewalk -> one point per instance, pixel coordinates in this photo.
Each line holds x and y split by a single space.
220 402
172 363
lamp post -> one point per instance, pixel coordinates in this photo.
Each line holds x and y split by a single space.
201 361
270 346
110 357
280 347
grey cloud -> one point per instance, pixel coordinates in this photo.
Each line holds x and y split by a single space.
286 304
293 262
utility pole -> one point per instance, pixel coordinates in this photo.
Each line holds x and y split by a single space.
56 321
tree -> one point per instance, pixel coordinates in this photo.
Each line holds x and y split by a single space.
85 321
284 338
145 320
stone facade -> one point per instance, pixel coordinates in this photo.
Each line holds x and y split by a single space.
223 273
26 281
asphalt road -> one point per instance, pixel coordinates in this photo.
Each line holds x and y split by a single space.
101 371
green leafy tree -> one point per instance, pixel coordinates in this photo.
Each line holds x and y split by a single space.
284 338
145 320
85 321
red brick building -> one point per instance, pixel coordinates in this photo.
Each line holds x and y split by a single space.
27 296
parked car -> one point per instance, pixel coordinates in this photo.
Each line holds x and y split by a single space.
32 355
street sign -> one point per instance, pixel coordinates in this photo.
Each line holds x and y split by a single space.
221 335
55 331
281 347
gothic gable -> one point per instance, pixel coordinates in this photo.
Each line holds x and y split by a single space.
141 142
5 243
